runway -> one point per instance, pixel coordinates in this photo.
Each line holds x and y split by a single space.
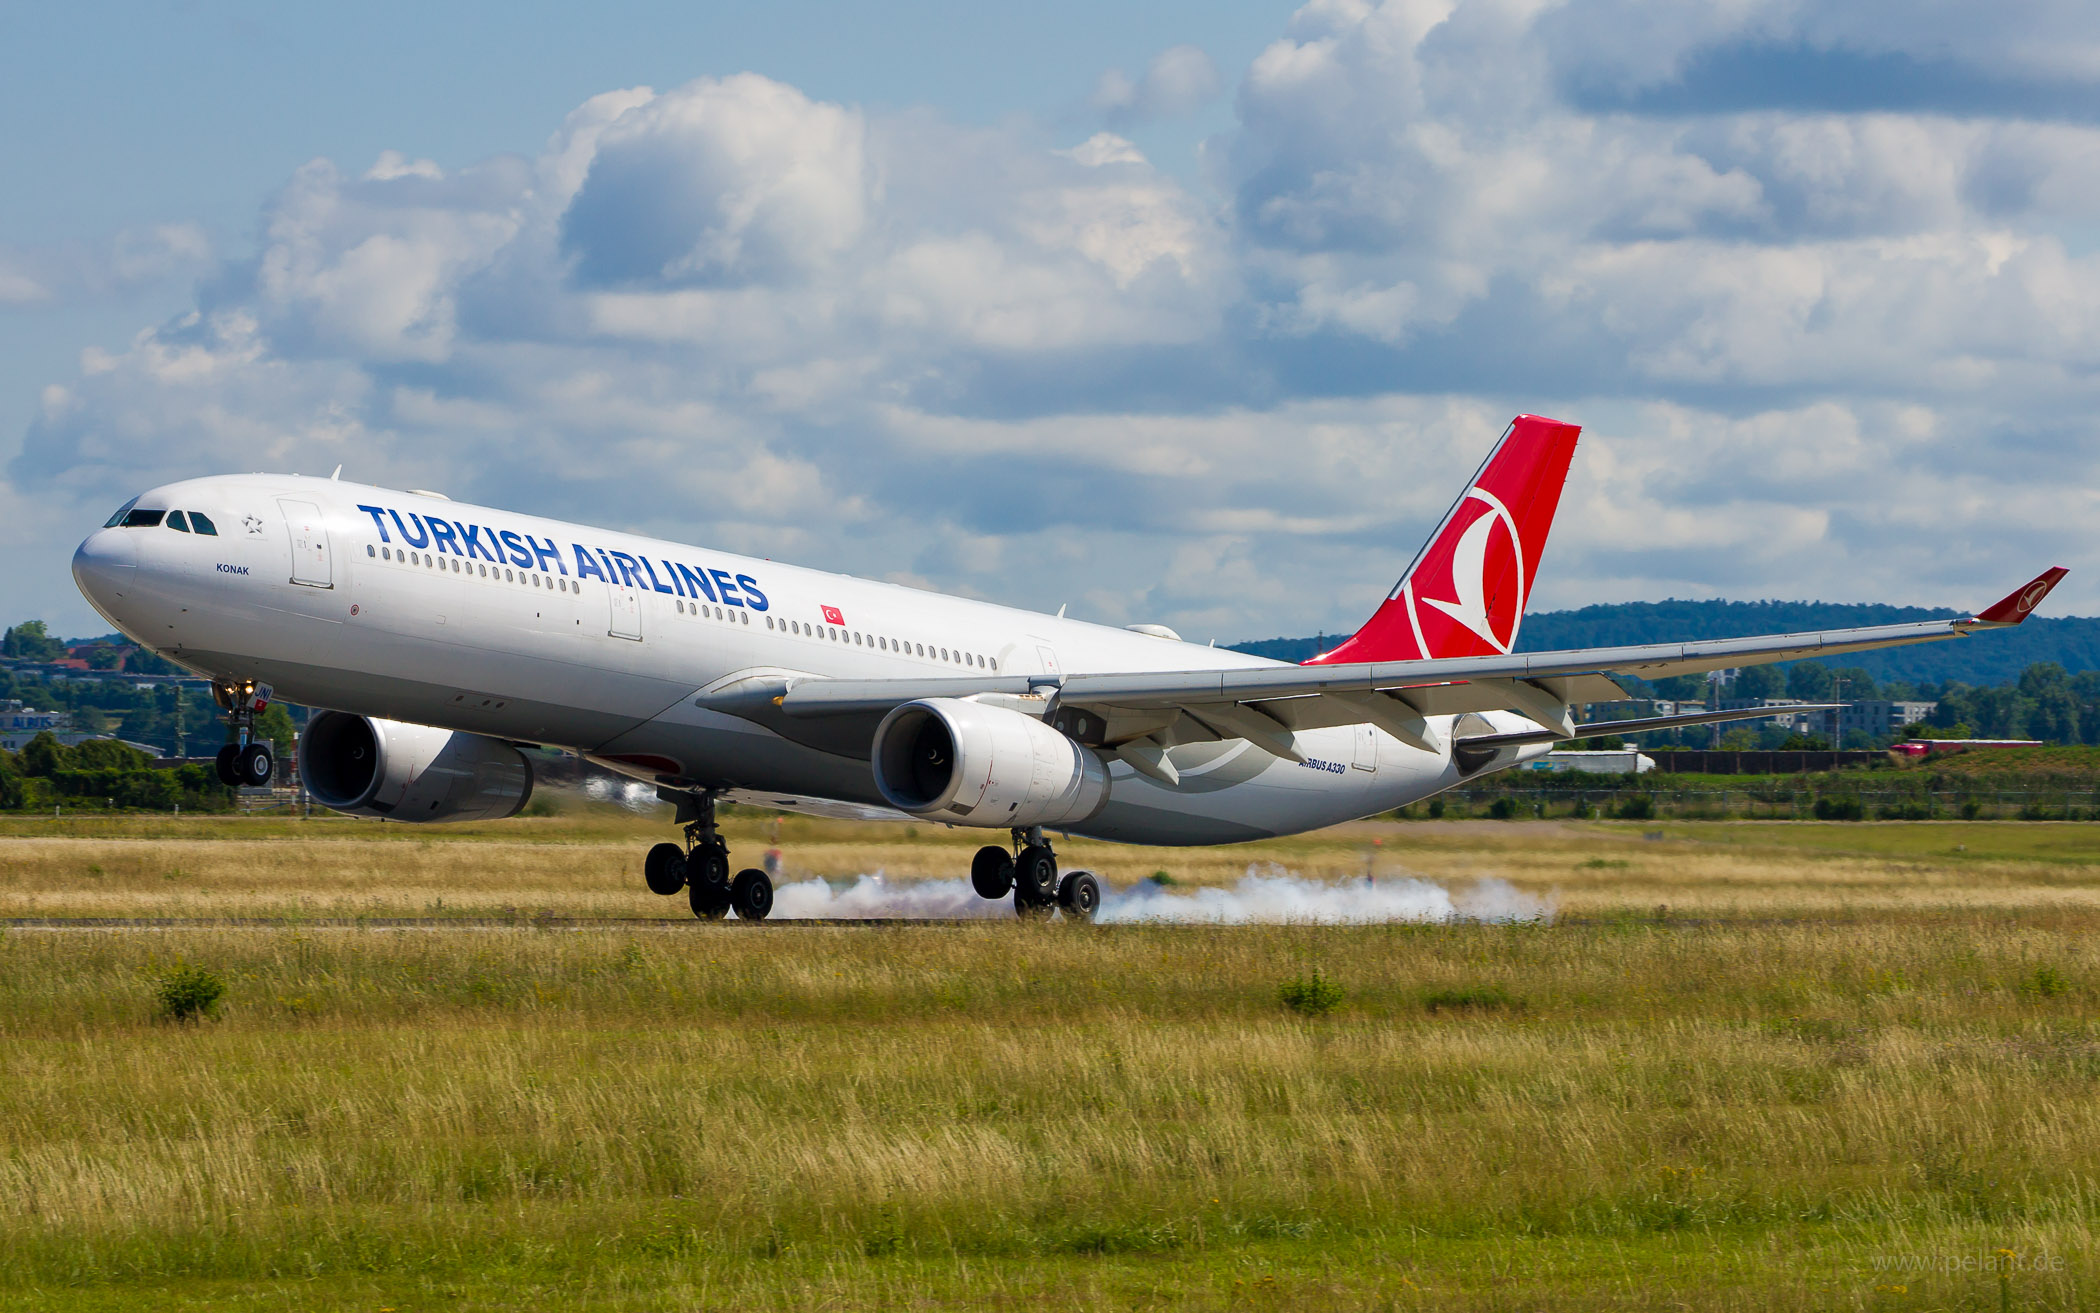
58 924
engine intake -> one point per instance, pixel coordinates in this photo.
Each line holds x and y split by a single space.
371 767
969 764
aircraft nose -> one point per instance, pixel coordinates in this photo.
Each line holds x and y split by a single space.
104 566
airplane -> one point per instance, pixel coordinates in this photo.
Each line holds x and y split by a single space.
438 638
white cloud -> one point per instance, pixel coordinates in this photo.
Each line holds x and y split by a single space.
1818 352
1178 81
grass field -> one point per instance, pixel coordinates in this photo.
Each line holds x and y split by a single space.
1782 1066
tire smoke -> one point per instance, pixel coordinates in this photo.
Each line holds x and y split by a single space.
1264 895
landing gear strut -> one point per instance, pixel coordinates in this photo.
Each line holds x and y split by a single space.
1031 873
701 867
247 761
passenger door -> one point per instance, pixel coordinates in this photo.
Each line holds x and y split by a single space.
626 602
310 563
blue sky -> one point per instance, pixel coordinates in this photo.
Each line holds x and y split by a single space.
1175 312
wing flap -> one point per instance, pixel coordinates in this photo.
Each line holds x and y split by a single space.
1645 724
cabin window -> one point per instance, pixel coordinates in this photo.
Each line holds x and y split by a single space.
386 553
995 665
369 551
179 522
201 523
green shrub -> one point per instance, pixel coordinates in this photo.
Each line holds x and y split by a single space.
1639 807
1436 809
1162 879
1503 809
1840 809
1312 994
2045 982
188 993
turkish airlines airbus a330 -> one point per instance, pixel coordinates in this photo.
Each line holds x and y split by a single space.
444 636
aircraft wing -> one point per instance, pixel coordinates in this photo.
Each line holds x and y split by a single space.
1140 713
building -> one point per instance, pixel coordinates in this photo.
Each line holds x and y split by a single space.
1877 718
20 723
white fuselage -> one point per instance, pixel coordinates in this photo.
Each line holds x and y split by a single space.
419 609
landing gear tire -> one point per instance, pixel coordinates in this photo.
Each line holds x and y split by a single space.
710 903
228 765
1027 908
254 765
751 894
664 869
1079 894
992 872
1035 875
707 882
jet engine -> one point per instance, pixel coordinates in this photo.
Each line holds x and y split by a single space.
371 767
970 764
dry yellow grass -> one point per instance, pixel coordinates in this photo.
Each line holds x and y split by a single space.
589 864
1738 1111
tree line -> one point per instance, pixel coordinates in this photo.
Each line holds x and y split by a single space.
103 773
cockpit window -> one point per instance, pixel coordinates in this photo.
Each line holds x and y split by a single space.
202 524
178 522
142 519
122 511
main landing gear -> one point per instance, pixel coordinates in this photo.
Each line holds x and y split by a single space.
701 867
247 761
1030 872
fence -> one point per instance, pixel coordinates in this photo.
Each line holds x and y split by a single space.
1779 804
1753 762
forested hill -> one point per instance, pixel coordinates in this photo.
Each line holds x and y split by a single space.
1996 657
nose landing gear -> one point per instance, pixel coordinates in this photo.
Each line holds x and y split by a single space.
701 867
247 761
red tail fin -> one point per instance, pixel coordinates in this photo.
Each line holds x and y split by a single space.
1465 594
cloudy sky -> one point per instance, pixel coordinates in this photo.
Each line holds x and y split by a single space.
1190 316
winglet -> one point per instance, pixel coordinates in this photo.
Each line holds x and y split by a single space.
2014 608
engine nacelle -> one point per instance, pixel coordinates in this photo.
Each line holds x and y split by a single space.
969 764
371 767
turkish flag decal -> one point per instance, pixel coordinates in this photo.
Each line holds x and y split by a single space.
832 616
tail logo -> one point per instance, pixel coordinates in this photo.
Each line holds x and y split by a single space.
1470 568
2036 591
